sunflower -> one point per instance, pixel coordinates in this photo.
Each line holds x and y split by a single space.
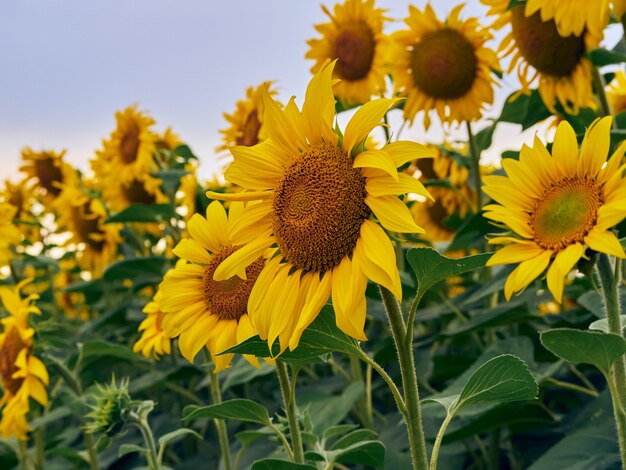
443 66
49 172
10 235
168 140
354 37
20 195
573 17
199 310
616 92
558 64
246 122
71 304
23 374
154 339
317 195
84 217
188 191
557 206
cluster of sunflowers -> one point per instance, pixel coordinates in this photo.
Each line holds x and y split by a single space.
307 213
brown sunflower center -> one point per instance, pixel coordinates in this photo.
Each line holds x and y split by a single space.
566 213
229 299
9 350
444 64
129 145
135 193
319 206
542 46
250 131
48 173
354 49
86 224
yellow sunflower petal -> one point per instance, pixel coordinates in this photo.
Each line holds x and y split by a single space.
514 254
376 159
236 264
563 264
201 231
318 110
348 291
565 149
317 296
393 214
595 147
191 250
605 242
525 273
404 151
364 120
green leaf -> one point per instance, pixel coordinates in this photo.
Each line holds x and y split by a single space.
603 324
352 438
98 349
276 464
588 347
430 267
142 213
171 179
135 267
129 449
327 411
448 402
369 453
238 409
321 337
338 430
176 436
526 110
184 152
601 57
503 379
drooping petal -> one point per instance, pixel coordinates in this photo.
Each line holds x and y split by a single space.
563 264
393 214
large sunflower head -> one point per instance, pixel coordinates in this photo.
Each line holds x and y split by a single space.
84 217
48 170
616 92
557 63
198 309
246 122
354 38
154 339
10 235
319 194
443 66
22 374
557 206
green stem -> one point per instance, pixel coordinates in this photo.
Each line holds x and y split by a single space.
388 380
574 387
357 376
220 424
442 430
39 447
22 453
598 83
617 379
475 154
142 423
623 20
289 398
413 418
494 449
91 450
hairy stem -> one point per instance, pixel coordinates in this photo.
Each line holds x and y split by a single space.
289 398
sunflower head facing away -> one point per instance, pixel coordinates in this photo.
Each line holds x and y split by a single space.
540 54
318 195
246 122
198 309
22 374
557 206
443 66
154 339
354 38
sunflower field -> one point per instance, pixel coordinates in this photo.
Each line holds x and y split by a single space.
344 294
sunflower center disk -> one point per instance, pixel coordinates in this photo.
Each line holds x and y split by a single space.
229 299
129 145
136 193
542 46
444 64
85 225
250 130
566 213
354 48
48 174
319 207
11 347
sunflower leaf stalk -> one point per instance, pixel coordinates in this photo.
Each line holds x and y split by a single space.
288 390
220 424
413 418
609 282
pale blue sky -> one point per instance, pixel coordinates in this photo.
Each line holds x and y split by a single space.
68 65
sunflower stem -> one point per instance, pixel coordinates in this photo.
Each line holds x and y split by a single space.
142 423
617 377
475 154
220 424
623 20
91 449
288 390
39 447
413 417
363 403
442 430
598 83
22 453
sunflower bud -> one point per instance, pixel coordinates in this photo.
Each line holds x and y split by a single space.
111 410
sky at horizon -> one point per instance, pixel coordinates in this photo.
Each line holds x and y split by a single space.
69 65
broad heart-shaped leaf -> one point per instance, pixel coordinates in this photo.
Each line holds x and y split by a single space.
142 213
135 267
320 338
603 324
276 464
588 347
238 409
502 379
430 267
